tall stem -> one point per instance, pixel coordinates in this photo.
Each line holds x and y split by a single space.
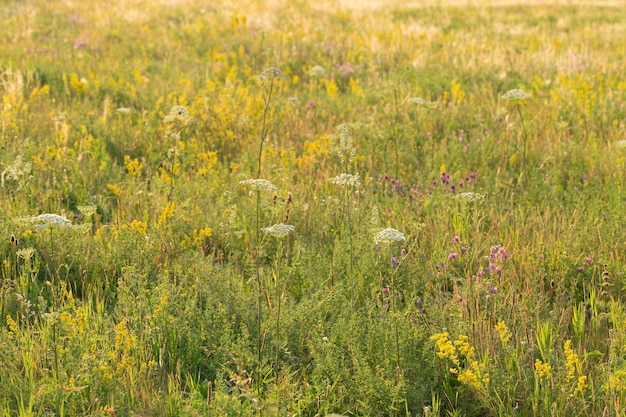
519 111
260 290
263 129
278 299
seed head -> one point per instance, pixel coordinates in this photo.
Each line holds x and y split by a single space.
272 73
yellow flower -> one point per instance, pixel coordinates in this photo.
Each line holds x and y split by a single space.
445 347
503 331
581 385
544 370
572 363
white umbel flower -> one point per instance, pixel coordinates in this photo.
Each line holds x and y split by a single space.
389 235
44 221
258 184
279 230
516 95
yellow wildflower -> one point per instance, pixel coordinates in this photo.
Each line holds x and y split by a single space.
544 370
503 331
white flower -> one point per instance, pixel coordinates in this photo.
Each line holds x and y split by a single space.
123 110
470 197
44 221
258 184
178 114
389 235
516 95
317 71
346 180
279 230
418 101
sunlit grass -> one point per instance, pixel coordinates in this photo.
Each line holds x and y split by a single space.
283 208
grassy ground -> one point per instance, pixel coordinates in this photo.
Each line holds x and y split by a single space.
424 244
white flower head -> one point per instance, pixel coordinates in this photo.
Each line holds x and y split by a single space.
47 220
178 114
272 73
389 235
516 95
258 184
279 230
470 197
317 71
123 110
346 180
418 101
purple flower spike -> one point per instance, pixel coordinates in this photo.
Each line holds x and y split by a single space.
453 256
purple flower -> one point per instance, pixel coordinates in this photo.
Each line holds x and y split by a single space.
580 270
377 248
455 239
463 249
386 290
420 306
395 261
400 296
453 256
588 260
403 253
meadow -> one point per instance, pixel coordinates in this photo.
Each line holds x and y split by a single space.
283 208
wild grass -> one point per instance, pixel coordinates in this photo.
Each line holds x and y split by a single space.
426 248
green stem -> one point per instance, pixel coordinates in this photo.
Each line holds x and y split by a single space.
260 291
263 129
278 299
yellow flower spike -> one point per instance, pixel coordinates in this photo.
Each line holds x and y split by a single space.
504 333
544 370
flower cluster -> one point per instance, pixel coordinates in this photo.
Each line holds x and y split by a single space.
178 114
516 95
44 221
279 230
389 235
346 180
258 184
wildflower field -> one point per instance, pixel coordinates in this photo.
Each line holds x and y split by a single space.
292 208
